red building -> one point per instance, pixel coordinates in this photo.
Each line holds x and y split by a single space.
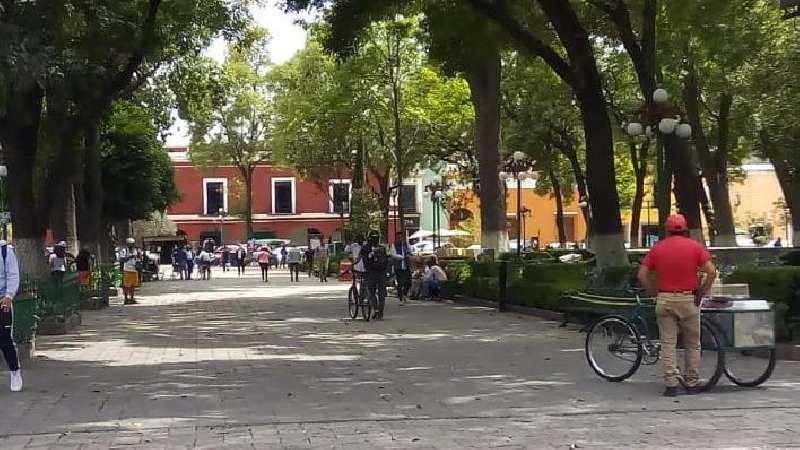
285 206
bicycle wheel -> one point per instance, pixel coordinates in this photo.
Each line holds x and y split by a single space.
352 302
613 348
749 368
712 358
366 309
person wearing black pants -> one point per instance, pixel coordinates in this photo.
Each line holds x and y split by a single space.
376 260
9 284
241 256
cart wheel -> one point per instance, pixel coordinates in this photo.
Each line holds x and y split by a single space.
712 357
613 348
749 368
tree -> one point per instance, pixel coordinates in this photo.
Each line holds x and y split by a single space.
231 115
63 66
137 175
574 62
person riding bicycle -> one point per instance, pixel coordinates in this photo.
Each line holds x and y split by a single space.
376 261
401 259
676 261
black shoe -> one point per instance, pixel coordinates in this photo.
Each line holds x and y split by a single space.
670 391
693 390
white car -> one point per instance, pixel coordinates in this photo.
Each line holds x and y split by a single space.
422 248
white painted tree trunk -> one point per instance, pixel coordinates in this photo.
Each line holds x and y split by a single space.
609 249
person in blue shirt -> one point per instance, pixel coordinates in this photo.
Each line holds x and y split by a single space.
9 284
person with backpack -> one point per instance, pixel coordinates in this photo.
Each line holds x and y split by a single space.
241 256
376 260
9 284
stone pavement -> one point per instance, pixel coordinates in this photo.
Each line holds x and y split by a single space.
237 363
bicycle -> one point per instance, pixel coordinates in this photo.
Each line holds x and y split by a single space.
357 300
625 340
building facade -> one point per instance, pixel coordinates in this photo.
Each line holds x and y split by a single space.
284 205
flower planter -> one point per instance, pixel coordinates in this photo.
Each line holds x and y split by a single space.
56 325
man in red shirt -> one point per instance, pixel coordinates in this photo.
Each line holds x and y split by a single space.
676 261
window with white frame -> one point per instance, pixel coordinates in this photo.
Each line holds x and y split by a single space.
283 195
339 196
409 200
215 195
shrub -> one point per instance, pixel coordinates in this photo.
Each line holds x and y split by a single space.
619 277
458 270
559 273
792 258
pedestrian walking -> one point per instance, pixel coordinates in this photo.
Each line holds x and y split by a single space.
225 258
58 263
321 258
130 272
376 260
204 264
190 257
676 261
401 264
241 256
309 255
9 284
264 256
284 255
83 263
293 257
179 261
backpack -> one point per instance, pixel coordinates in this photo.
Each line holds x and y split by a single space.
377 259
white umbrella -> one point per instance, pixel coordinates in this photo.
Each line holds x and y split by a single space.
419 234
452 233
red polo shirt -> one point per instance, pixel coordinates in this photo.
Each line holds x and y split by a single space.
676 260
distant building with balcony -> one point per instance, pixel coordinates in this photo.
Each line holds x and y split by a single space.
284 205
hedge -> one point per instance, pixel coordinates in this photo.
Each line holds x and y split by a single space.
780 285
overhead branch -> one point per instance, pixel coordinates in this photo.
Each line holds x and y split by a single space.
497 11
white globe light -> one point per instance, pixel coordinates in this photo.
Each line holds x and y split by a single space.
634 129
519 156
684 130
3 171
667 126
660 95
522 176
439 194
503 176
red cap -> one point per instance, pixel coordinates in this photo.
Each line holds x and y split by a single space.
676 223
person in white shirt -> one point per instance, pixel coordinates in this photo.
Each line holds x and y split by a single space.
204 264
9 284
432 279
130 273
58 262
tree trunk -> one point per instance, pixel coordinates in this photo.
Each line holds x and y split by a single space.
686 183
568 150
19 133
247 175
790 184
562 235
484 82
714 165
606 239
639 162
382 178
89 197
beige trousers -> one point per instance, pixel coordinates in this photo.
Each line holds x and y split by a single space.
677 312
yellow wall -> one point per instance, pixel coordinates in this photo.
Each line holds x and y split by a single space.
541 221
758 198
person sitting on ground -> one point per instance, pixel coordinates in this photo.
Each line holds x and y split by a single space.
293 258
433 278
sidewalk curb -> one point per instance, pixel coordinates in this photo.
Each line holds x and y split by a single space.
527 310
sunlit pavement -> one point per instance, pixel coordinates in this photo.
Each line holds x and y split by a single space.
237 362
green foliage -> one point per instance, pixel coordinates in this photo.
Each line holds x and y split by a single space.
775 284
365 213
137 175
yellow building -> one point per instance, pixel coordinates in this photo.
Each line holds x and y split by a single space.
538 218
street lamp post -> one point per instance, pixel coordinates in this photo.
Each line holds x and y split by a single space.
5 214
520 167
221 224
439 192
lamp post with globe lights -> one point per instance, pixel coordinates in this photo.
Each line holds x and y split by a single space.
439 192
660 118
518 167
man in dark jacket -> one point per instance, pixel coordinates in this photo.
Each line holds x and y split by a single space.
376 260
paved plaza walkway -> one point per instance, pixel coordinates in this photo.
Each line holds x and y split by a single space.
237 363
